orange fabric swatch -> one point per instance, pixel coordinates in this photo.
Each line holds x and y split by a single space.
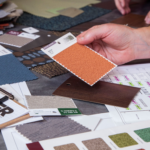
84 63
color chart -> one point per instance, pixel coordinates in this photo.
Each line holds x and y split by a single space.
129 137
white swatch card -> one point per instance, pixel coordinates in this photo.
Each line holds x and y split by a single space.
4 51
9 110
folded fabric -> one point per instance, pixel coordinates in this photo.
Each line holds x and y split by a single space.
12 71
61 23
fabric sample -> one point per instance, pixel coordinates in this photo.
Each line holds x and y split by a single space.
3 14
50 70
123 140
61 23
101 92
71 146
71 12
35 146
12 71
144 134
14 40
39 102
96 144
84 63
9 6
51 127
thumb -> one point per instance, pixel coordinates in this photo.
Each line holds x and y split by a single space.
95 33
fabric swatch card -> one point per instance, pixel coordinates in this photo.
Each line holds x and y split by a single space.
51 106
82 61
51 127
116 138
14 40
11 70
101 92
9 110
71 12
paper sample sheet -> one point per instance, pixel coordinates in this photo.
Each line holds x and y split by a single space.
135 76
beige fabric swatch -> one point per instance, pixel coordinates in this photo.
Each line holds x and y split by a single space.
40 102
14 40
96 144
71 146
42 7
71 12
9 6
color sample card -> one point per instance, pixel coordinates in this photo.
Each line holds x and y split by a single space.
96 144
14 40
144 134
108 139
101 92
71 146
51 127
82 61
123 140
51 106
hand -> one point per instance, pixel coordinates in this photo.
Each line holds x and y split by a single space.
123 6
147 18
118 43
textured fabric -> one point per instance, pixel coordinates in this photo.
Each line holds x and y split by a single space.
71 146
32 58
61 23
37 102
12 71
96 144
50 70
14 40
51 127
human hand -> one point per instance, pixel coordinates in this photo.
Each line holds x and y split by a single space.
147 18
123 6
118 43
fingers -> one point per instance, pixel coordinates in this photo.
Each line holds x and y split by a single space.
123 6
95 33
147 18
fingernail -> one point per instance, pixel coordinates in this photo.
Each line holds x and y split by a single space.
148 21
81 38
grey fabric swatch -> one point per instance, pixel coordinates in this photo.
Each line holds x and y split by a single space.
37 102
3 13
2 1
51 127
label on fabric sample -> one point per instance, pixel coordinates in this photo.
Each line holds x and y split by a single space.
59 45
4 51
29 36
30 30
69 111
14 32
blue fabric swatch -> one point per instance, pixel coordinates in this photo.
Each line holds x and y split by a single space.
60 22
12 71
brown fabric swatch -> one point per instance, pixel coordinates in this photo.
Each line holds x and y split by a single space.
101 92
131 20
71 146
14 40
96 144
50 70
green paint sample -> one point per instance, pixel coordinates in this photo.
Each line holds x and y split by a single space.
144 134
123 140
131 83
140 83
69 111
128 108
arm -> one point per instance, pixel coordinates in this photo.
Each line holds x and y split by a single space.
118 43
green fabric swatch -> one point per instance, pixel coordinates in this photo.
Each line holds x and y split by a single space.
123 140
144 134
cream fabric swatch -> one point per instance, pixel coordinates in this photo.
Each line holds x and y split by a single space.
39 102
71 12
42 7
14 40
9 6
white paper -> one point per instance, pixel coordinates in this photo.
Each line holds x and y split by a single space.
28 35
30 30
4 51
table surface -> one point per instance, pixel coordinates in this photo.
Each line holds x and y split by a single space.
46 86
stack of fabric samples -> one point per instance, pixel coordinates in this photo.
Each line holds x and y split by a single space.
8 14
